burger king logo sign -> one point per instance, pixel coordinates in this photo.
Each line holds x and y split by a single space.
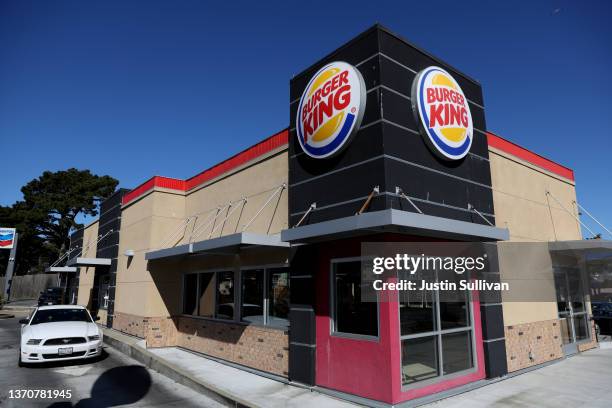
443 113
330 109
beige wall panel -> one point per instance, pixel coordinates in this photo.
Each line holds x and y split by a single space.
166 232
521 203
86 275
169 205
136 236
164 299
131 298
516 313
529 220
145 225
528 270
90 237
164 295
256 183
139 210
154 289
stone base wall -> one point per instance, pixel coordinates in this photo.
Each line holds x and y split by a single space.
129 324
533 343
161 331
261 348
102 314
157 331
592 344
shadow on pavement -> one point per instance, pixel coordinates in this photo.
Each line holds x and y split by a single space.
116 386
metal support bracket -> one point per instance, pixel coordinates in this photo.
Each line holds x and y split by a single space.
366 204
472 208
312 207
400 192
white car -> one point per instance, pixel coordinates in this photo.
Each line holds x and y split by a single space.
58 333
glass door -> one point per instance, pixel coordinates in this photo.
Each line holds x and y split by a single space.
571 308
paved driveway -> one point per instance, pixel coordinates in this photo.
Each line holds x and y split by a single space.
114 380
584 380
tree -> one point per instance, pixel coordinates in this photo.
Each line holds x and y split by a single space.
48 212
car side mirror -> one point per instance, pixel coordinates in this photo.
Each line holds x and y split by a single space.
23 321
96 318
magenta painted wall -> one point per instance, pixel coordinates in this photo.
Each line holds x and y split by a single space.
370 368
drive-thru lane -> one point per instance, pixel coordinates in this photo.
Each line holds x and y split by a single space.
111 380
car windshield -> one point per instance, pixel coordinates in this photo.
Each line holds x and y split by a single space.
60 315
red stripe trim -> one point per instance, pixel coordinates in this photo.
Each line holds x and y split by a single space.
265 146
511 148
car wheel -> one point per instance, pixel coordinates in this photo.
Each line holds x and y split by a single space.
19 362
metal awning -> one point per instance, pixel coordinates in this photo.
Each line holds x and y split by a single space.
396 221
61 269
78 261
228 244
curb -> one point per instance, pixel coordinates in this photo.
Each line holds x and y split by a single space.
167 369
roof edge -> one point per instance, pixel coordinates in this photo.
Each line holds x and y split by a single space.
259 149
529 156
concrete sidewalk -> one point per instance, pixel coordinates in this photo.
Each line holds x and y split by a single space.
584 380
580 381
228 385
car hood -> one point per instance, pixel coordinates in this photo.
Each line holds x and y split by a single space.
60 329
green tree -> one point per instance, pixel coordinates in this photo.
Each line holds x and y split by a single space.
48 212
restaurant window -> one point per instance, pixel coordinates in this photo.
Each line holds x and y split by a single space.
351 314
209 294
436 331
190 294
264 300
225 296
265 296
206 300
252 304
278 296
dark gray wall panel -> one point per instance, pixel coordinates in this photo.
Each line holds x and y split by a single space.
389 75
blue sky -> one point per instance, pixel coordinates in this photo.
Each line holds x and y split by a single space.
138 88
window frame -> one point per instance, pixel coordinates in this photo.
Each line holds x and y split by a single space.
237 272
214 271
332 304
236 295
438 333
266 297
183 297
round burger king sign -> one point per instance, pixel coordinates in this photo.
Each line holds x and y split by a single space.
443 113
330 109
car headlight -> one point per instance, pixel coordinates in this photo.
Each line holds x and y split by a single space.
33 342
94 337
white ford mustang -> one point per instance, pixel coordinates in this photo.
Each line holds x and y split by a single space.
56 333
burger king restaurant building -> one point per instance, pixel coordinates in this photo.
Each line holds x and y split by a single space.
256 260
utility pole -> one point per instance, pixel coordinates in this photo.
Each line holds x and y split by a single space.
10 267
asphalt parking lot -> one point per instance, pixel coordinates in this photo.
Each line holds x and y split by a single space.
110 381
